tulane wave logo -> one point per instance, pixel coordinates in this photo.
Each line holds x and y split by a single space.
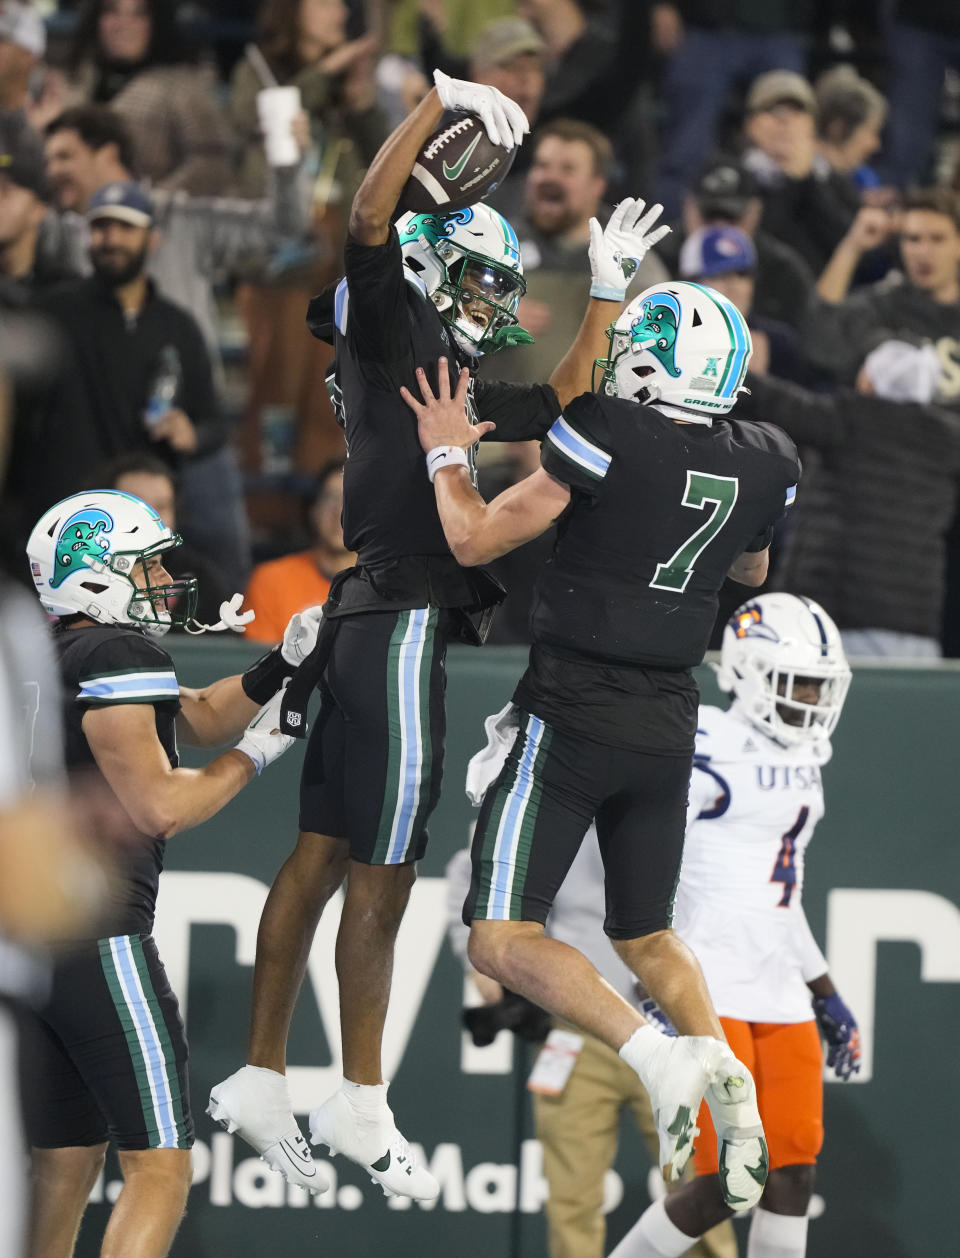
433 226
80 537
655 328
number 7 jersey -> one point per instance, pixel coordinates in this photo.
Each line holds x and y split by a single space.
752 811
659 512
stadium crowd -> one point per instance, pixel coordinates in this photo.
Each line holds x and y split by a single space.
807 157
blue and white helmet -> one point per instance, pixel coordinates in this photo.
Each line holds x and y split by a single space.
468 264
85 551
682 344
772 641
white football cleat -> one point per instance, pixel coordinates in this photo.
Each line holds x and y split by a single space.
741 1147
375 1144
255 1103
676 1077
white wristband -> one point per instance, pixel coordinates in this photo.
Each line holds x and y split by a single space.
445 456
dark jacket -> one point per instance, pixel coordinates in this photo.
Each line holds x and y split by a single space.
112 363
838 336
750 16
811 215
878 492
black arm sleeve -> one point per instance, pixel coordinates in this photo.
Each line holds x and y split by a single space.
374 315
810 419
522 412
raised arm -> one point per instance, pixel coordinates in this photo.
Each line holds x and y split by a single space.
378 194
476 531
868 230
616 252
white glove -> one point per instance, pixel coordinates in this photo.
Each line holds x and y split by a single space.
617 250
300 635
504 120
262 741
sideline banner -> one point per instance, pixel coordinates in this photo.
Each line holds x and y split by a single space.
882 892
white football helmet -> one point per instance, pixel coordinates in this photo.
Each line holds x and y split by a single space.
679 343
84 554
468 263
772 642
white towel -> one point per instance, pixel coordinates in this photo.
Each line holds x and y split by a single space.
501 730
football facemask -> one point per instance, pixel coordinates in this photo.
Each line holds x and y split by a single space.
468 264
678 343
783 660
91 555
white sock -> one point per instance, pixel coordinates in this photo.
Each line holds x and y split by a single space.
777 1235
653 1235
640 1048
268 1077
367 1099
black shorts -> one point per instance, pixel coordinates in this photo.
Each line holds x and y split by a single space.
374 759
105 1057
534 817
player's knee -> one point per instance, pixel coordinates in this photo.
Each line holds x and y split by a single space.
789 1188
491 945
79 1165
171 1169
380 892
483 950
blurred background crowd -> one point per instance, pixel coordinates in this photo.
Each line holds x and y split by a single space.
175 180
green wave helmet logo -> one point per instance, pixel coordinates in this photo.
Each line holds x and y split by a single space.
655 329
433 226
81 536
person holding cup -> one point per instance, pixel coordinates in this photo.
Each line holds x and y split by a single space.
303 60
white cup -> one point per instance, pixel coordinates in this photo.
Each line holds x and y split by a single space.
277 107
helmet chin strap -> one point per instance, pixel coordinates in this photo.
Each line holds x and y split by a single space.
230 618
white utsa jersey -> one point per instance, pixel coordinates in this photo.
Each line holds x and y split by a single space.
752 811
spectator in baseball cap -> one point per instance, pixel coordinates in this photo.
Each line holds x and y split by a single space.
124 200
509 55
807 203
725 258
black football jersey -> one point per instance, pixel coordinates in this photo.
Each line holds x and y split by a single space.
384 327
100 666
659 512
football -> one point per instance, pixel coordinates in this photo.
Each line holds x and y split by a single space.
457 166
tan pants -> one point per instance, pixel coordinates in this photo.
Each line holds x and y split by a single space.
578 1131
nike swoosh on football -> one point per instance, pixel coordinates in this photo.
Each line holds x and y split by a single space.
453 172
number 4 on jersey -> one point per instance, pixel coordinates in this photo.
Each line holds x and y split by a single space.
701 488
785 870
